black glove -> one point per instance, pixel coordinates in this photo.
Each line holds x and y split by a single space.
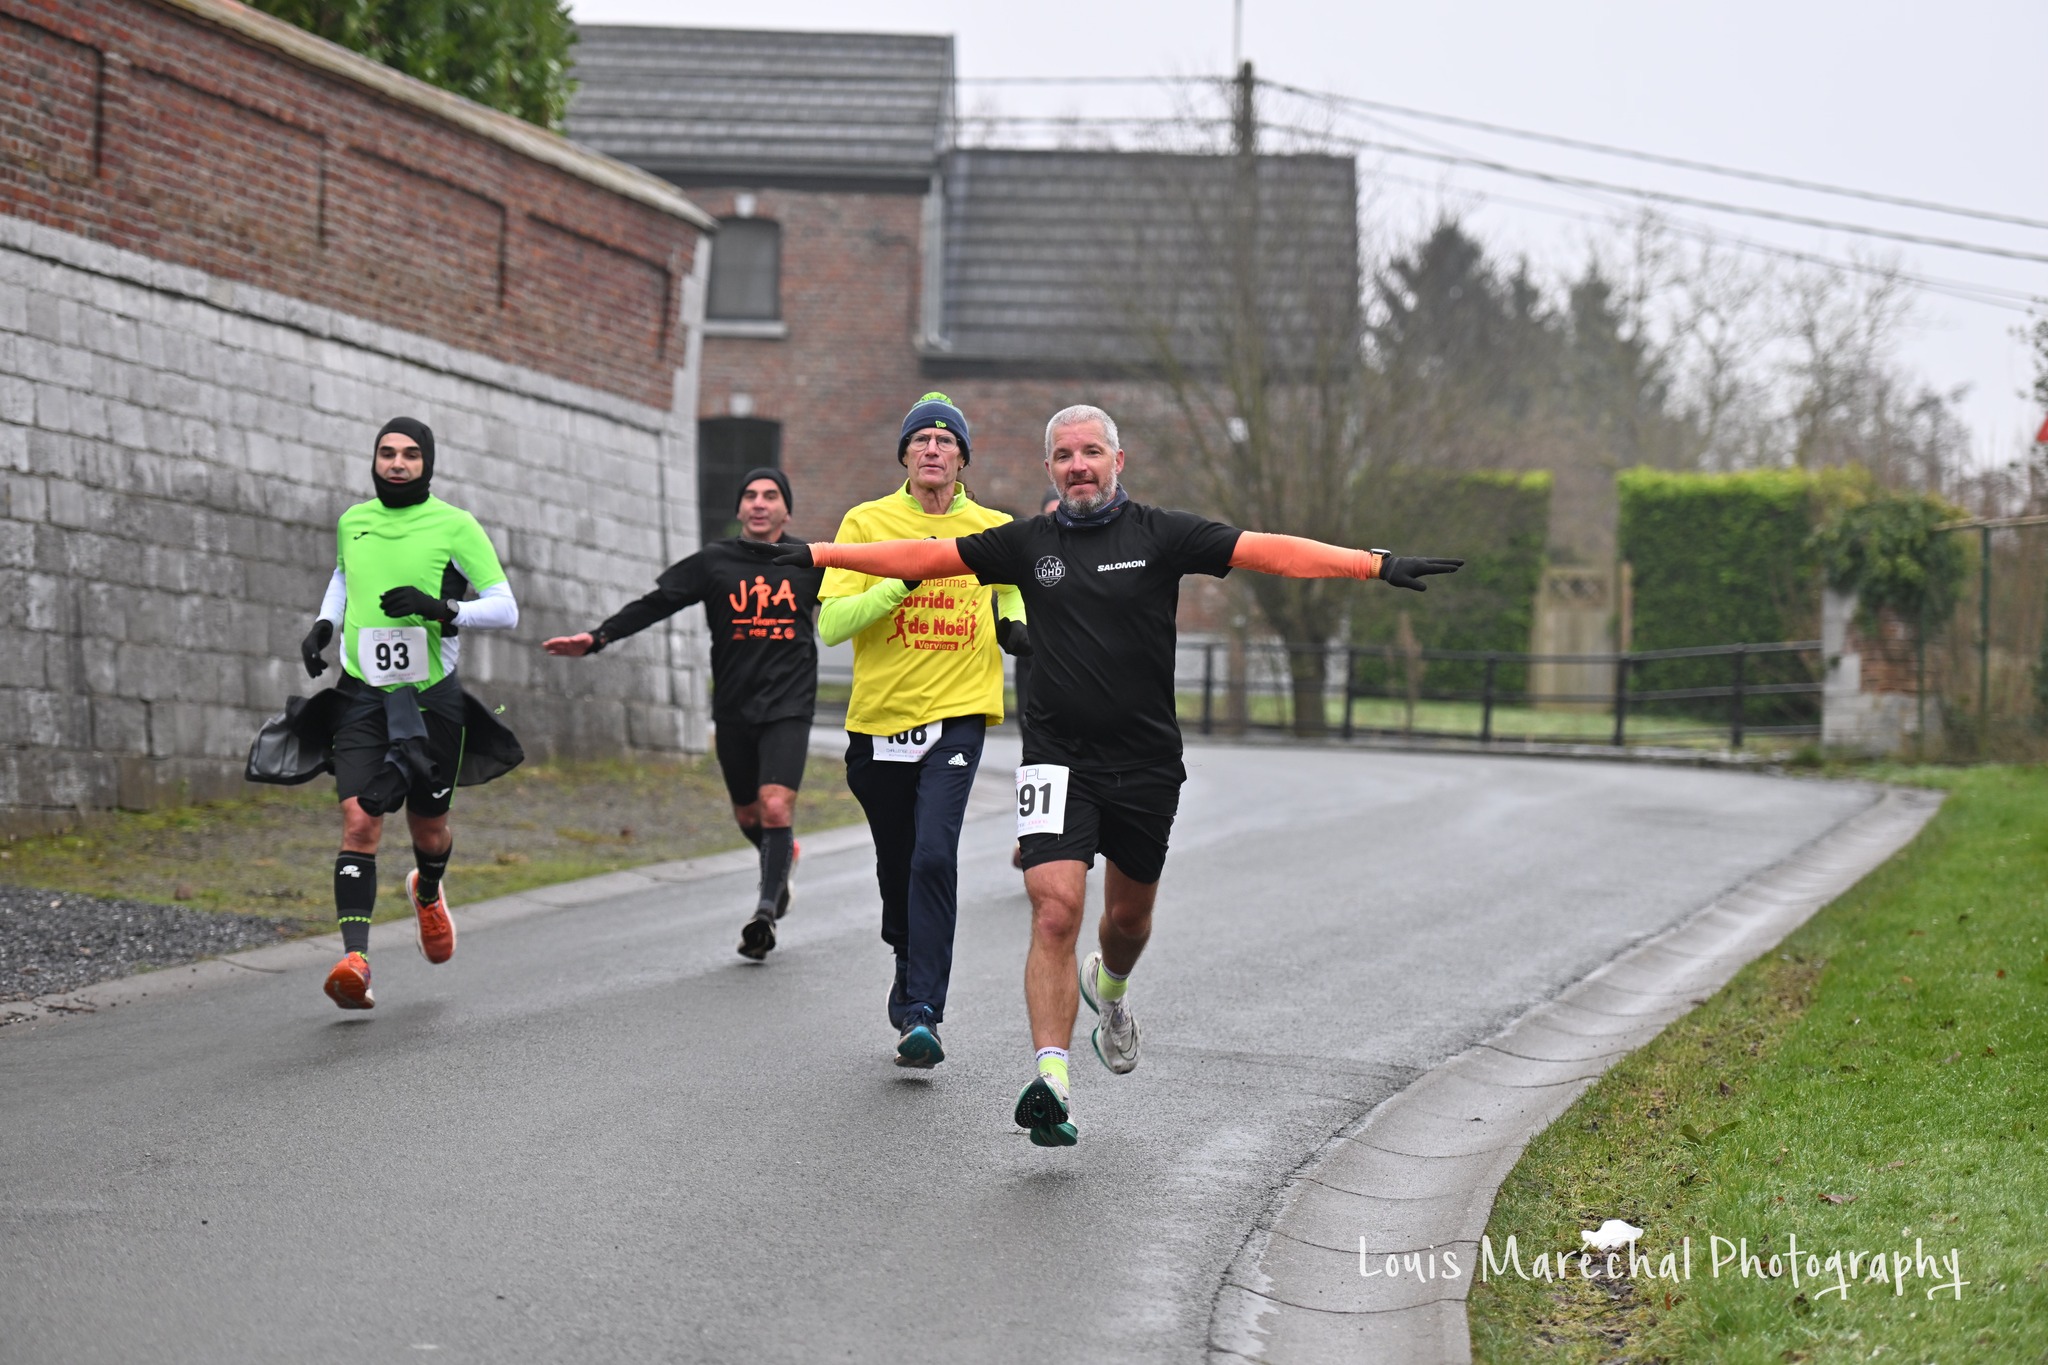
316 640
1014 637
912 584
799 555
1408 571
410 601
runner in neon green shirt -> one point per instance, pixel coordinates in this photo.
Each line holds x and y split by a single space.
401 563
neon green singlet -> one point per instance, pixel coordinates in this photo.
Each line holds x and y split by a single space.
380 548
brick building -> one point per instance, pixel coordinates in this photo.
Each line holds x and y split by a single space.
863 258
229 250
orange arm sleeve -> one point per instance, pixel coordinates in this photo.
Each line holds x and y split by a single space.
916 559
1298 557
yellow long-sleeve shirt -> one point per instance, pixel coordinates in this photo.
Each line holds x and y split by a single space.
932 654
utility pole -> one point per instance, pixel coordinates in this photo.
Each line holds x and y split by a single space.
1244 118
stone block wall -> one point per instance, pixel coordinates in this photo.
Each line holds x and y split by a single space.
174 451
228 252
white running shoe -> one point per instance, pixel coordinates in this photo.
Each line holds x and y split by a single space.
1116 1036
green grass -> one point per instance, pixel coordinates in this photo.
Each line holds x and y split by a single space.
273 853
1462 719
1876 1080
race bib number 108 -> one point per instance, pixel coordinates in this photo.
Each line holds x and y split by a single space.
1041 799
909 747
392 654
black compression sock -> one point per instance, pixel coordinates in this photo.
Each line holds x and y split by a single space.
775 854
753 833
355 896
433 867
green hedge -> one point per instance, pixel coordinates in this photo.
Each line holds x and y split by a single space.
1498 523
1724 559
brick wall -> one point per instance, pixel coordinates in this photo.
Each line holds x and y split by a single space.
141 126
841 380
220 270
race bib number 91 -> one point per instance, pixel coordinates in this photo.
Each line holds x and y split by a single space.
392 654
910 746
1041 799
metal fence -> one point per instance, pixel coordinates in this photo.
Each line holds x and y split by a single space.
1981 681
1732 694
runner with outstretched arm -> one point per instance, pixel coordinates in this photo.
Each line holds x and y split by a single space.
1100 577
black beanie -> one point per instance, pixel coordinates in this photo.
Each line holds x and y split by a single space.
419 490
781 481
935 410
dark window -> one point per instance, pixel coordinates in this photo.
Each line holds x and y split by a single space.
727 447
746 271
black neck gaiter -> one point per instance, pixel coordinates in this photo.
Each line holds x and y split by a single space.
395 495
1101 516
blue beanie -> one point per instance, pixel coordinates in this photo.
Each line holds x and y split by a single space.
935 410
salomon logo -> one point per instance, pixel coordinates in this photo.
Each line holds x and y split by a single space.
1120 564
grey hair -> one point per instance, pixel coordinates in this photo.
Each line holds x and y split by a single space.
1082 412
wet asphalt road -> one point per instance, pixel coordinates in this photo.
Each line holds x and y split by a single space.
600 1135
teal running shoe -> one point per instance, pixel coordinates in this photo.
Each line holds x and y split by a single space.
919 1046
1043 1109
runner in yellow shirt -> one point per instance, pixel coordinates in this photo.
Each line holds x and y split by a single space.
927 682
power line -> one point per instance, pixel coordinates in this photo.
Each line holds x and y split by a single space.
1661 159
1987 295
1552 139
1665 196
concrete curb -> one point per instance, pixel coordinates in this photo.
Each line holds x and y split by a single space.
1420 1172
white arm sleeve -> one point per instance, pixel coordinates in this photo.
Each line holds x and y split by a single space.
494 609
335 603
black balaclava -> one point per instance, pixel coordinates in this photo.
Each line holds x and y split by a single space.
419 490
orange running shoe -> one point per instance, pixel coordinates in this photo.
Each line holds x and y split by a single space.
348 984
435 926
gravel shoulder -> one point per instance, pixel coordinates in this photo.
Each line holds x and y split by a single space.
129 891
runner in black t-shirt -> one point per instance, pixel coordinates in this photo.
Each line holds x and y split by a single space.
764 675
1102 750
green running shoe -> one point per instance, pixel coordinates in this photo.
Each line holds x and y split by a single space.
1043 1109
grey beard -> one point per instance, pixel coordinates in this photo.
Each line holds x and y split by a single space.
1084 505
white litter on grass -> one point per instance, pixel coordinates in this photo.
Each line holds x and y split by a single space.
1611 1235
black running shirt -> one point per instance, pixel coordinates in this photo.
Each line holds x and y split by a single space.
763 620
1101 601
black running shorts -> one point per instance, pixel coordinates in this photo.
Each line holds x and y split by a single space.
769 754
1125 816
361 742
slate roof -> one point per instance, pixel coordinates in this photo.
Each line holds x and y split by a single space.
735 107
1067 260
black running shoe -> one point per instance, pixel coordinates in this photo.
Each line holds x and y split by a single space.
757 937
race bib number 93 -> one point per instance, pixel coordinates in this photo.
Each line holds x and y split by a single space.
1041 799
392 654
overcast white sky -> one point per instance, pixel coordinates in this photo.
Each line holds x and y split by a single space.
1935 102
